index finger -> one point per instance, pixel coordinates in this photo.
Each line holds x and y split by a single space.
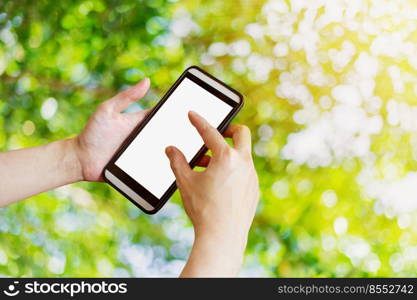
241 137
210 135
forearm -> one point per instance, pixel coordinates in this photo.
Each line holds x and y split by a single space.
31 171
212 257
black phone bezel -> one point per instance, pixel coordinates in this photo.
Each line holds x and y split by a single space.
133 184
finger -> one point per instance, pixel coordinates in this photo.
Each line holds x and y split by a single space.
210 135
123 99
204 161
179 164
137 116
241 137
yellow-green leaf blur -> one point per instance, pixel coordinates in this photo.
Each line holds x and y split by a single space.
331 100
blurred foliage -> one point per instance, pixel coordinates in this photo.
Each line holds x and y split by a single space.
330 92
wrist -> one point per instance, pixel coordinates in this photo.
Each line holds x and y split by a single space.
233 240
212 256
227 244
226 247
71 163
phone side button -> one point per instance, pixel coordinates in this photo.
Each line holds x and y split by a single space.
121 185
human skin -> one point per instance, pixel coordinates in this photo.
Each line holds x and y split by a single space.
220 201
211 198
27 172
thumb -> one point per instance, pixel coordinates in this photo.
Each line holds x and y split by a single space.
179 164
123 99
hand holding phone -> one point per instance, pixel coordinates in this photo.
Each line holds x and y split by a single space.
106 130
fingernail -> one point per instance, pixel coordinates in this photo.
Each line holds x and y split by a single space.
144 81
198 120
197 117
169 150
191 112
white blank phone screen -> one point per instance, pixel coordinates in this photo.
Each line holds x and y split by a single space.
145 160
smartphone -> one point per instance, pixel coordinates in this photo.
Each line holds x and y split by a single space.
140 169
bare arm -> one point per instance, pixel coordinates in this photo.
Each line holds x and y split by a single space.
27 172
31 171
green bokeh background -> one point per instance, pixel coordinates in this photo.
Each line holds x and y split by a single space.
332 204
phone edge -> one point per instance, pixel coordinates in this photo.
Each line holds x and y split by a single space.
201 152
